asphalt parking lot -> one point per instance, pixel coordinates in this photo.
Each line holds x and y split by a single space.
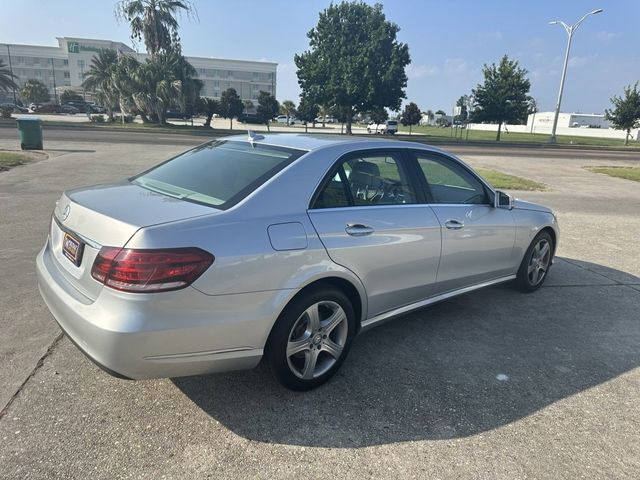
491 385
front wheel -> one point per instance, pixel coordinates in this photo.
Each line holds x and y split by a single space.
311 339
535 264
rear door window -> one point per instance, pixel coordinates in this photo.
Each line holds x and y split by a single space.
368 178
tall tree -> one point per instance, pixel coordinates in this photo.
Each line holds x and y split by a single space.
355 62
430 116
100 78
230 105
503 97
208 107
379 115
248 105
124 81
154 22
162 81
7 79
625 113
34 91
289 109
307 112
411 115
268 108
464 112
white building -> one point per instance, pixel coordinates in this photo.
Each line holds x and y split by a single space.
567 120
63 67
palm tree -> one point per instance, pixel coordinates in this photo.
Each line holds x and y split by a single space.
430 116
289 109
164 80
7 81
125 85
100 78
154 22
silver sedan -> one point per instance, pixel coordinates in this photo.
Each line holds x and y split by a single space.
277 246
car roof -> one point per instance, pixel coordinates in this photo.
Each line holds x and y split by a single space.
310 142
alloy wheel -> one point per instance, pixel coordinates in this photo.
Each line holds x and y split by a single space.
539 262
317 340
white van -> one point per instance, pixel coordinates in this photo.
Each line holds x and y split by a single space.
389 127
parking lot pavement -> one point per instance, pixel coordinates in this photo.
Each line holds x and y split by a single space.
494 384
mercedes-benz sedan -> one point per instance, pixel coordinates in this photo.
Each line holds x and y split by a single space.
277 246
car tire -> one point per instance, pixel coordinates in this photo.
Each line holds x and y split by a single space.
535 264
311 339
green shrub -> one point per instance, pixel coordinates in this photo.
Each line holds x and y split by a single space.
127 119
97 118
5 113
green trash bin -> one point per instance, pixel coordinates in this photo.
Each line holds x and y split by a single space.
30 133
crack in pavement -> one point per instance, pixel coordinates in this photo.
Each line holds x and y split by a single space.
39 364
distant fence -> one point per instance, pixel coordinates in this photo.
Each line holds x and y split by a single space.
577 132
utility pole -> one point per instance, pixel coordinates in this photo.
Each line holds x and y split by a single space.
15 100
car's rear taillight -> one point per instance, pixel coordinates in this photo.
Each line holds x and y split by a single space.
146 271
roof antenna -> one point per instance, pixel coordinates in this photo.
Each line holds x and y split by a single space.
253 137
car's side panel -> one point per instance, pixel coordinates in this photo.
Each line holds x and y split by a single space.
529 223
397 262
479 248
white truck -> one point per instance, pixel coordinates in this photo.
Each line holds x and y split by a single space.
389 127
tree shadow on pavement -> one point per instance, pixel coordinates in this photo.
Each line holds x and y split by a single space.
462 367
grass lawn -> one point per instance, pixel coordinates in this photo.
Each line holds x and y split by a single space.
9 160
628 173
509 182
446 134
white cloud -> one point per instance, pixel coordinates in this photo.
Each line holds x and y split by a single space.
607 37
422 71
578 62
536 42
455 66
494 35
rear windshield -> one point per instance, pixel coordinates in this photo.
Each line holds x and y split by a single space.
218 174
392 122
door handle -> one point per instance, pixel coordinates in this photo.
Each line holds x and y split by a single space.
358 229
454 224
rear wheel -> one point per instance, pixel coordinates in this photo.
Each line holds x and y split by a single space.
311 339
535 264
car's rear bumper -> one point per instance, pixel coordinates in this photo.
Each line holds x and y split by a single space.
168 334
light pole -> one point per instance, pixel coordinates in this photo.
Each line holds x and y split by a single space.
15 101
570 29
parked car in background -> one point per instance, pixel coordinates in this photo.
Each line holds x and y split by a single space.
69 109
282 246
13 107
389 127
249 118
48 108
288 120
326 120
83 107
177 114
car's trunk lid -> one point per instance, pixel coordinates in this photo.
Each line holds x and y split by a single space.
107 215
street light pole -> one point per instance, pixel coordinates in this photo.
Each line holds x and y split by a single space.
15 101
55 92
570 29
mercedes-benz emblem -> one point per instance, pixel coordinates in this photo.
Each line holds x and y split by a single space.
65 212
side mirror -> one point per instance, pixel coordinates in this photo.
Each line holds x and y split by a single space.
503 200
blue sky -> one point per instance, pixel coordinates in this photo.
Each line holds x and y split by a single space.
448 41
